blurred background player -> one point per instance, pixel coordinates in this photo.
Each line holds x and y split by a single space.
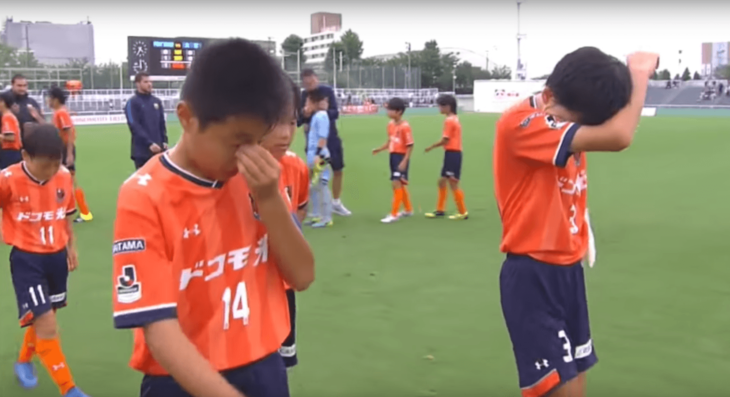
218 332
10 130
451 170
146 121
400 146
310 81
318 157
43 251
294 184
26 109
62 121
540 183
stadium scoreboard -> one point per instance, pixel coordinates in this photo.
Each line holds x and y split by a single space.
164 59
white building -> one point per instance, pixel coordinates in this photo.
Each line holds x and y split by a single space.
317 45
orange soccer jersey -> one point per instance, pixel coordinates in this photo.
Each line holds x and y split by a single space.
400 137
540 186
295 180
191 249
10 125
34 212
452 131
62 121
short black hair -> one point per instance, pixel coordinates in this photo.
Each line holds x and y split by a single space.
397 104
308 73
7 98
17 77
44 141
317 95
447 100
139 76
592 84
236 77
59 94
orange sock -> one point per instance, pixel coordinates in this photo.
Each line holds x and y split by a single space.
397 200
407 200
459 198
81 201
50 353
28 348
441 204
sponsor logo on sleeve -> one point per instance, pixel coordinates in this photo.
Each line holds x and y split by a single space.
128 246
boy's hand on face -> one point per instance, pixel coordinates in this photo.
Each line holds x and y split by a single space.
643 62
261 171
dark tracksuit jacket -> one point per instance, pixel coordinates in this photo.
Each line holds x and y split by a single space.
332 112
146 121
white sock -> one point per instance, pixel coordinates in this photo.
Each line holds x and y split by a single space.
336 201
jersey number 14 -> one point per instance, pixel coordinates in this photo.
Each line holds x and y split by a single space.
235 305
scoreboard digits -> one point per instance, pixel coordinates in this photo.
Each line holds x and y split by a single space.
164 59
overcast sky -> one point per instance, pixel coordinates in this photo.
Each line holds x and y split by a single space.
552 27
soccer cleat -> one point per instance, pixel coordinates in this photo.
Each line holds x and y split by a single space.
436 214
26 375
310 220
459 217
339 209
75 392
322 224
404 214
86 217
390 219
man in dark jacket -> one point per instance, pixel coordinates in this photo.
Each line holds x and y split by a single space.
310 82
146 121
26 109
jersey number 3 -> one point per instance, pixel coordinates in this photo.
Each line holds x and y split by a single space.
235 306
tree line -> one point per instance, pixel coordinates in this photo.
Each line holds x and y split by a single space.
437 68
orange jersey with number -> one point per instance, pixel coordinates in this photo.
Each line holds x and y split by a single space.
294 181
400 137
192 249
34 212
10 126
452 131
540 186
62 121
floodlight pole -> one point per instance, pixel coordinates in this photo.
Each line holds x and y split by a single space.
520 36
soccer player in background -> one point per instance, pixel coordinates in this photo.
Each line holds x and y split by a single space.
10 130
453 157
400 146
62 121
146 120
318 157
294 185
213 312
540 183
37 202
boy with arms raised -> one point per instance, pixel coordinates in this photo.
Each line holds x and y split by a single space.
318 160
451 170
193 273
400 146
36 198
592 102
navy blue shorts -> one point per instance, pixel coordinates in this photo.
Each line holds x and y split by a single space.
9 157
71 167
395 174
546 312
337 156
40 282
264 378
452 165
288 349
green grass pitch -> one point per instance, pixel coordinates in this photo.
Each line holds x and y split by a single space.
412 308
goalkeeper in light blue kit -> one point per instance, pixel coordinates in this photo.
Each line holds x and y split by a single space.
320 198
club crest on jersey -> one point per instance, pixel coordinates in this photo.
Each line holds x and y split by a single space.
254 207
527 121
129 289
128 246
60 195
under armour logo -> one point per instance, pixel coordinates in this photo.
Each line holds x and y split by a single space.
57 367
541 364
195 231
24 199
7 174
143 179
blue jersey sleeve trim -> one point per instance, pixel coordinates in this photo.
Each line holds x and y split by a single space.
140 319
563 153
